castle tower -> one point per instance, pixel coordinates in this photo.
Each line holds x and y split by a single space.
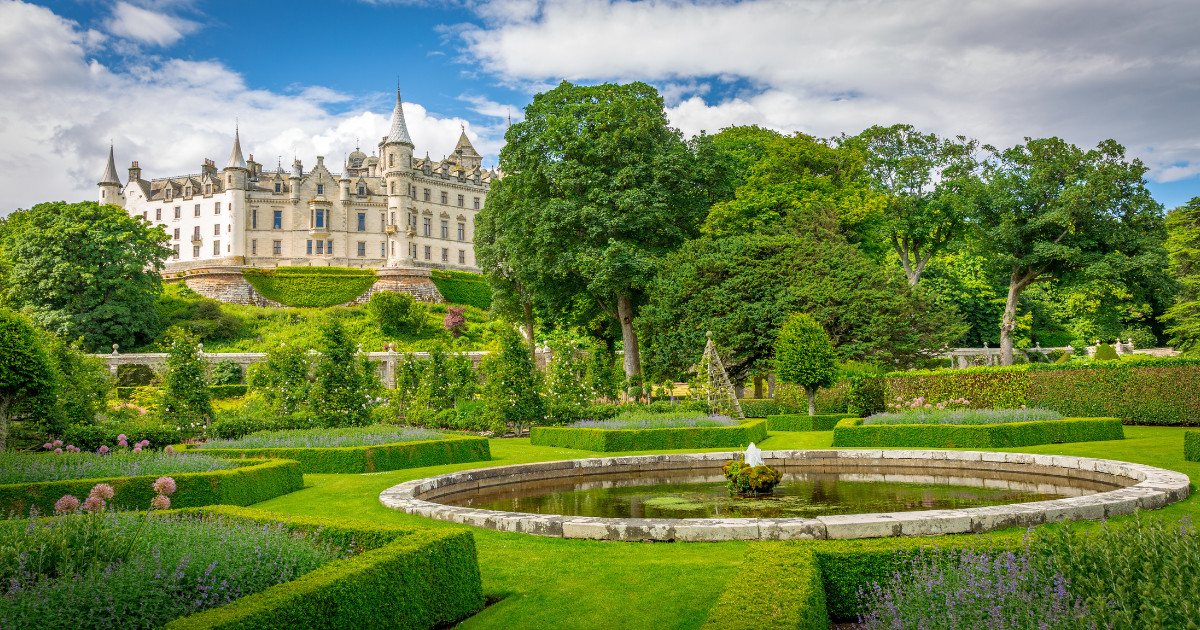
236 171
465 154
395 159
236 175
110 184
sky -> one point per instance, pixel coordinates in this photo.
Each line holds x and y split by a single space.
166 81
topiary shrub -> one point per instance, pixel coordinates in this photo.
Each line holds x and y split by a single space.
1105 352
315 287
511 391
850 433
185 395
463 287
804 356
397 313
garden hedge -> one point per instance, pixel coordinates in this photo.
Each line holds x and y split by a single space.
611 440
217 391
405 578
463 287
365 459
761 407
805 422
1191 446
775 588
1137 390
255 480
316 287
853 434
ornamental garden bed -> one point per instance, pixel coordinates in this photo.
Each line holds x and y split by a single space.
230 567
862 433
805 422
641 432
354 450
243 482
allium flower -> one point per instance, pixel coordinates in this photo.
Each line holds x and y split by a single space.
48 445
122 443
58 451
66 505
121 438
160 502
58 443
103 450
102 490
93 504
169 450
137 449
144 443
164 485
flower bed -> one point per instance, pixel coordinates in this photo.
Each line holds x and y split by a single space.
611 440
1191 446
326 438
964 417
853 434
251 481
371 458
648 420
805 422
38 467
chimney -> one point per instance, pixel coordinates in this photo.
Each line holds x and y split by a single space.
135 172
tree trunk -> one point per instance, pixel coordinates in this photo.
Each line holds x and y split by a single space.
811 392
633 359
1016 284
530 337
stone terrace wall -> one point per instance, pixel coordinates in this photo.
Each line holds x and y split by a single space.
225 283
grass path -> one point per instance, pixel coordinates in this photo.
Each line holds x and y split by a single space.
556 583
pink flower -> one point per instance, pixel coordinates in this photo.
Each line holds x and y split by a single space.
66 505
123 443
58 451
163 485
101 490
169 450
144 443
137 449
48 445
121 438
160 502
58 443
93 504
103 450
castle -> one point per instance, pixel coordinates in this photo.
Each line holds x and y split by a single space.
241 215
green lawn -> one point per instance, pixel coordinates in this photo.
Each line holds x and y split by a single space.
555 583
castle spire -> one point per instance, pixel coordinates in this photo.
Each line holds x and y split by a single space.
235 157
110 172
399 132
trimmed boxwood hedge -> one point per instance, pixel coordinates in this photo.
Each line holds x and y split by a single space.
463 287
1137 390
852 433
374 458
316 287
759 407
611 440
805 422
255 480
217 391
775 588
406 578
1191 446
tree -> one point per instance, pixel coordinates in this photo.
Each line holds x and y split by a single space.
1183 242
455 322
511 392
86 270
84 386
28 383
283 379
397 313
804 356
1048 210
186 397
341 393
926 181
597 189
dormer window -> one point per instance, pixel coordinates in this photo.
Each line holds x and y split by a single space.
187 192
278 187
170 193
362 190
208 189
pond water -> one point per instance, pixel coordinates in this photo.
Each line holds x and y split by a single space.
802 493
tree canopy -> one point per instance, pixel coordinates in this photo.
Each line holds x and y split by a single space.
28 383
804 356
1183 242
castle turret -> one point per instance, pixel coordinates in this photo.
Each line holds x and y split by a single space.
236 171
467 157
294 180
237 175
110 184
396 152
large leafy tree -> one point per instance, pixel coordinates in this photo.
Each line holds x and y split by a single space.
743 288
28 380
86 270
926 181
597 189
1049 210
804 356
1183 241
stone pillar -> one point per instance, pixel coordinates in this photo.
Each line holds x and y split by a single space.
770 385
758 386
112 363
389 369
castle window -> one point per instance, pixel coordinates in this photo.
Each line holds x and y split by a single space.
320 189
217 207
383 249
392 189
477 203
460 201
362 190
329 250
320 219
445 255
444 197
413 191
196 233
196 211
362 221
208 191
176 212
277 247
362 249
254 219
426 194
187 192
177 234
229 179
413 249
383 221
254 247
158 214
391 159
216 248
462 257
462 231
426 252
277 222
278 187
320 247
427 226
445 229
310 248
176 254
217 230
195 251
170 193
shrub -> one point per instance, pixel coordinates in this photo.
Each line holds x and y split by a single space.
255 480
28 381
283 379
226 372
610 440
317 287
462 287
90 437
657 420
186 398
84 385
511 391
1191 446
804 356
851 433
1105 352
397 314
344 383
454 322
776 588
227 391
252 418
805 422
754 408
962 416
793 399
373 458
866 394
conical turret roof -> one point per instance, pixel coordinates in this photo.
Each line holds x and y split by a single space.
235 157
399 131
110 172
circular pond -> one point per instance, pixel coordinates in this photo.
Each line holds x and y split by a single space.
824 494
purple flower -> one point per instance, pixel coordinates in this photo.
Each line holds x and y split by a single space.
58 451
101 490
103 450
137 449
58 443
48 445
164 485
93 504
160 502
66 505
121 438
144 443
123 443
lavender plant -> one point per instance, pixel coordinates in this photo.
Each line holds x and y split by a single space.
651 420
33 468
963 416
328 438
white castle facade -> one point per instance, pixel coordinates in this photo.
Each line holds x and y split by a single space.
390 210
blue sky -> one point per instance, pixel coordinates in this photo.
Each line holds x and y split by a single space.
164 80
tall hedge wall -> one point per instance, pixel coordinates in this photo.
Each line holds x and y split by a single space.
310 286
612 440
1139 391
365 459
852 433
1191 446
805 422
407 578
462 287
254 481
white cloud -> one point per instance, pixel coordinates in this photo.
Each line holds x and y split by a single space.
146 26
1085 70
61 108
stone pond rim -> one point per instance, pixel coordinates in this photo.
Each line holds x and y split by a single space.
1138 487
